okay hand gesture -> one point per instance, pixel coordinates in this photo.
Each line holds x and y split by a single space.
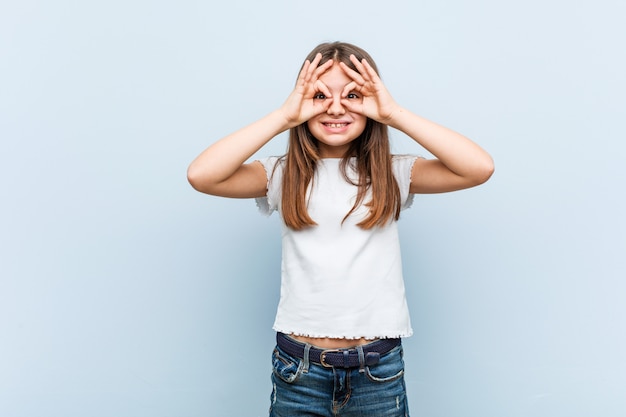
300 106
376 101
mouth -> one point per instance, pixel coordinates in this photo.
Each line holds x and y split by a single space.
336 125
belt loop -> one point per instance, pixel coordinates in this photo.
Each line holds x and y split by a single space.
359 349
346 358
305 365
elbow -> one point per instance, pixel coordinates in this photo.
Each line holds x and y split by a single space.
484 171
204 180
195 179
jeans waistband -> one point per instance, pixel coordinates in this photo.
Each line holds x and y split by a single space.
368 354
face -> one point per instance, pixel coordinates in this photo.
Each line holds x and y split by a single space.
336 128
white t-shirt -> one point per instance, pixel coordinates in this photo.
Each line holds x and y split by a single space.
338 280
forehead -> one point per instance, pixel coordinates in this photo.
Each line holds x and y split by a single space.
335 77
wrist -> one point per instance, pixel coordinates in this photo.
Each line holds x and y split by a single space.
395 116
283 120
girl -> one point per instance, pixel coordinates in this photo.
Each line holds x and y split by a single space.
339 191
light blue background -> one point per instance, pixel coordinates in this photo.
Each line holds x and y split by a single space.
124 293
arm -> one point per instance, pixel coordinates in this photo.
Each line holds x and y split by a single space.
221 169
459 163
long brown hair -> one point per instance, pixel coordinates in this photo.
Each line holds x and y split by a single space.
372 160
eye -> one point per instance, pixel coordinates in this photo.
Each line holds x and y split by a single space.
352 96
319 96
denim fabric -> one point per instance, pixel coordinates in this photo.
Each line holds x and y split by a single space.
304 389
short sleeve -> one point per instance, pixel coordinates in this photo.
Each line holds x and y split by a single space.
274 172
402 167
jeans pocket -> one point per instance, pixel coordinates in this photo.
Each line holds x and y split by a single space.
389 368
285 366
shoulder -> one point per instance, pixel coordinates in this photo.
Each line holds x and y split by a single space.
402 165
273 166
271 162
403 158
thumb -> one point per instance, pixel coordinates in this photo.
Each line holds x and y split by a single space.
350 105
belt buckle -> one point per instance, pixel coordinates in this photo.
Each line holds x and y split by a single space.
323 356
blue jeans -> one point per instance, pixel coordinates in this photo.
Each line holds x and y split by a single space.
302 388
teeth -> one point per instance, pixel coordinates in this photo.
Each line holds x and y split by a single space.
336 125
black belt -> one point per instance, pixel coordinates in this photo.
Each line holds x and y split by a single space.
340 358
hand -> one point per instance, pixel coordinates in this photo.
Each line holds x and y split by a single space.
376 101
300 106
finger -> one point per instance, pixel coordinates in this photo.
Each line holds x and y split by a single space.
312 66
321 87
322 68
316 60
352 73
352 86
370 70
360 67
326 105
365 69
319 107
353 107
303 71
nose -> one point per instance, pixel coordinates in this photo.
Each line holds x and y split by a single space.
336 108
